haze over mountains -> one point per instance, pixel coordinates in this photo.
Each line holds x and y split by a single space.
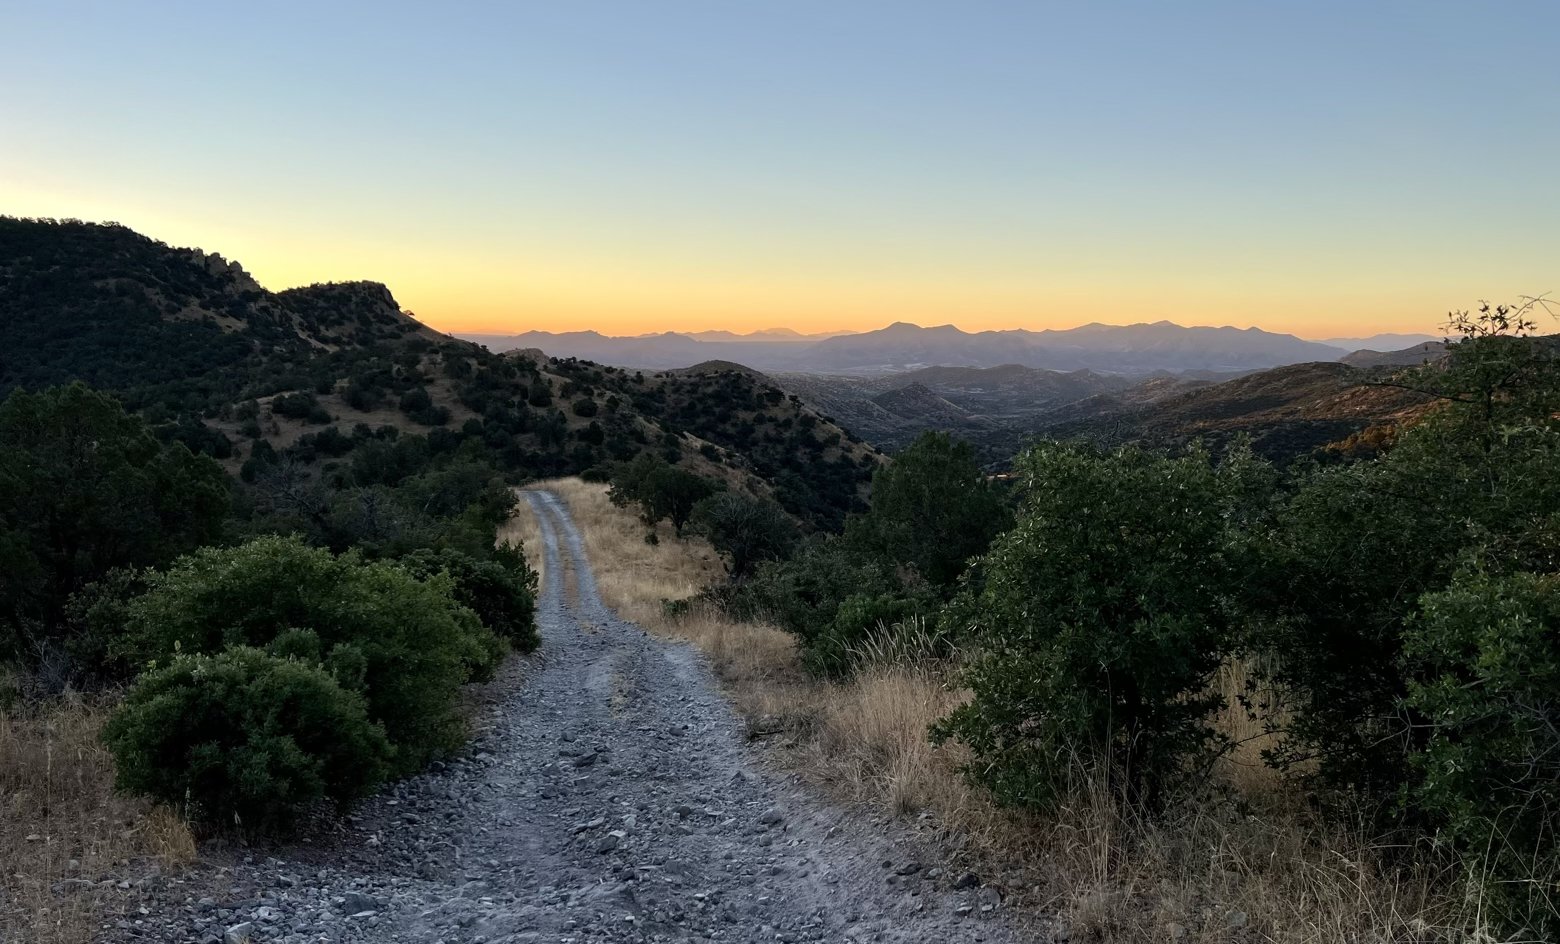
1136 349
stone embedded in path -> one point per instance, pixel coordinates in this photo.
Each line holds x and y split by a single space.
608 842
239 933
355 902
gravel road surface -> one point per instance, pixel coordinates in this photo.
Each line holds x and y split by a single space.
610 796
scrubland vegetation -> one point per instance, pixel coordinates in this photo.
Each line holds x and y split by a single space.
182 655
1176 694
249 577
1188 695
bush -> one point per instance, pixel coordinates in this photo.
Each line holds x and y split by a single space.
1357 545
1102 617
662 491
746 531
300 406
415 400
585 407
1488 651
802 592
502 594
862 618
932 509
415 643
245 738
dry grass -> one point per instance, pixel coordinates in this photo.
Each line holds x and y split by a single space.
64 832
523 528
1244 863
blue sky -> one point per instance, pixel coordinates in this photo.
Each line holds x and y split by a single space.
1322 168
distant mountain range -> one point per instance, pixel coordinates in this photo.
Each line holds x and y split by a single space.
1136 349
765 334
1382 342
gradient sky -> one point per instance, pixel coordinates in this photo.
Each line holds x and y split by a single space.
1323 168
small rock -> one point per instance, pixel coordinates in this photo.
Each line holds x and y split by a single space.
967 880
608 842
1237 919
353 902
585 760
771 817
239 933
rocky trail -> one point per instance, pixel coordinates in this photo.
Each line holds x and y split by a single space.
610 795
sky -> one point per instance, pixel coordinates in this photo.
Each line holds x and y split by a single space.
1320 168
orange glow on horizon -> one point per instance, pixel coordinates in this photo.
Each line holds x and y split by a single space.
456 288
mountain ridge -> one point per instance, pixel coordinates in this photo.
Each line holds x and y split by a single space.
1139 348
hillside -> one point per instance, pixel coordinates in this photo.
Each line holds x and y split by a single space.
1287 411
996 408
337 379
115 309
1413 356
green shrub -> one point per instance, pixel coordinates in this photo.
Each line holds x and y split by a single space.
803 595
1488 652
502 594
662 491
244 737
415 400
932 509
417 645
863 618
300 406
1101 619
1356 546
745 530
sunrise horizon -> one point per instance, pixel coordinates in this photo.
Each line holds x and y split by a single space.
1322 172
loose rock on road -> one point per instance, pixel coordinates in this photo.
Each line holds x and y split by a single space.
610 797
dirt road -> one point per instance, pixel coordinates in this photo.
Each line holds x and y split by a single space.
610 796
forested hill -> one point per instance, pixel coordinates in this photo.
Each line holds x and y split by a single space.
338 381
103 304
